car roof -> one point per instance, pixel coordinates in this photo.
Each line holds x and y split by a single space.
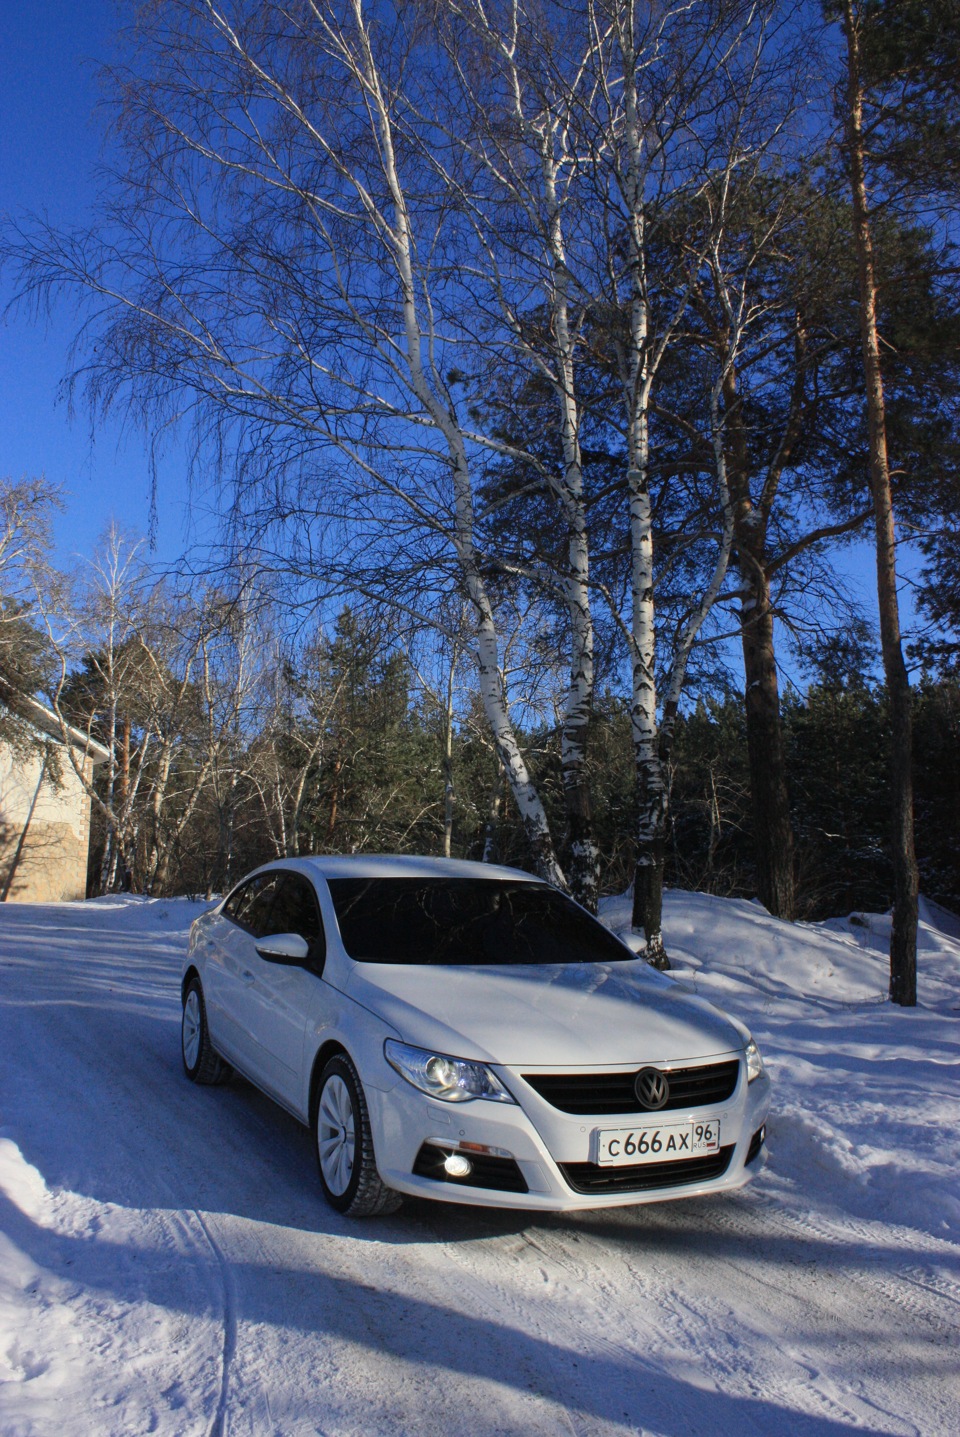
400 865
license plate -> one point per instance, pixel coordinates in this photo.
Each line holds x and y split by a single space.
655 1142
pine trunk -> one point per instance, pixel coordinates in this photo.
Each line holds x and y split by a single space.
903 933
773 834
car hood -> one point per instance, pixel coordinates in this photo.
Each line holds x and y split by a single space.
546 1016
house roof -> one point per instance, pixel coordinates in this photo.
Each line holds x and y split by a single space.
47 721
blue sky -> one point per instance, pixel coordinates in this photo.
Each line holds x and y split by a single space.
50 139
50 146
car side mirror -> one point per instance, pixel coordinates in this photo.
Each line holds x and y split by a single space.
287 948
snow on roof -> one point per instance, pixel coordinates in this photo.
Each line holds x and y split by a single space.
45 719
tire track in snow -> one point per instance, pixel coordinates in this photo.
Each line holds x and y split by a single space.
934 1284
696 1321
866 1288
900 1283
180 1217
486 1268
218 1427
492 1306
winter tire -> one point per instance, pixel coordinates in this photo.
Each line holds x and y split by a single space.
200 1061
344 1145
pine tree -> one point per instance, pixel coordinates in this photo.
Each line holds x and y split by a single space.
903 935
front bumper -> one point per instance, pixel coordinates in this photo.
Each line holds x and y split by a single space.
552 1151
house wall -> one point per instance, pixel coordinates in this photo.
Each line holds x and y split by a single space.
52 866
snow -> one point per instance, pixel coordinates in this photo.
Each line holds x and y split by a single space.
168 1266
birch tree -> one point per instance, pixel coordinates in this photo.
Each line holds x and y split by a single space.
518 79
282 271
587 129
313 242
693 103
94 628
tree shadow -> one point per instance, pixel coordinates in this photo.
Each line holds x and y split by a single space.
609 1385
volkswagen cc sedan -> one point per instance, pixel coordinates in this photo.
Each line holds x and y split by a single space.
458 1031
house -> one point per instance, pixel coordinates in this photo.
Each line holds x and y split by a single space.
45 810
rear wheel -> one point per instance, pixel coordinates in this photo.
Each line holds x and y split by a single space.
201 1063
344 1144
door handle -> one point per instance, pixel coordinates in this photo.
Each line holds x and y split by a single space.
247 976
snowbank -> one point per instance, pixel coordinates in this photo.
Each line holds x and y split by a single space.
866 1114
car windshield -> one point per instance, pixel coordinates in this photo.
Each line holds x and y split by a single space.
466 922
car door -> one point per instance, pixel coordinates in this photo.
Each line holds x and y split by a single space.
284 995
233 965
220 964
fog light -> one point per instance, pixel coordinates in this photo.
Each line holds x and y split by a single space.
457 1166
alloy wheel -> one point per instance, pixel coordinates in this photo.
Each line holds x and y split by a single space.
192 1023
336 1134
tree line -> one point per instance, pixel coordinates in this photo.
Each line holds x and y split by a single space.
575 338
234 741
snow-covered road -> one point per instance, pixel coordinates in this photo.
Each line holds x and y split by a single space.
167 1264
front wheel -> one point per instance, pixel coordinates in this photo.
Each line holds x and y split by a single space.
344 1144
201 1062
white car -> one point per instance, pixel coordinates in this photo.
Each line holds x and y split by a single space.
464 1032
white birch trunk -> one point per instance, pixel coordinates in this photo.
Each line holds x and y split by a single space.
584 865
652 792
543 133
433 396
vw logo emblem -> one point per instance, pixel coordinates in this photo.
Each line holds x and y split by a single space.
652 1088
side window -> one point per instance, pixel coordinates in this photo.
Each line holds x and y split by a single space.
295 910
257 918
239 901
250 905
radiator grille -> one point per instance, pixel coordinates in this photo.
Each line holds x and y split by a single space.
642 1177
596 1094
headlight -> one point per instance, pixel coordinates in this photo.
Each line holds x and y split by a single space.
452 1080
754 1061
